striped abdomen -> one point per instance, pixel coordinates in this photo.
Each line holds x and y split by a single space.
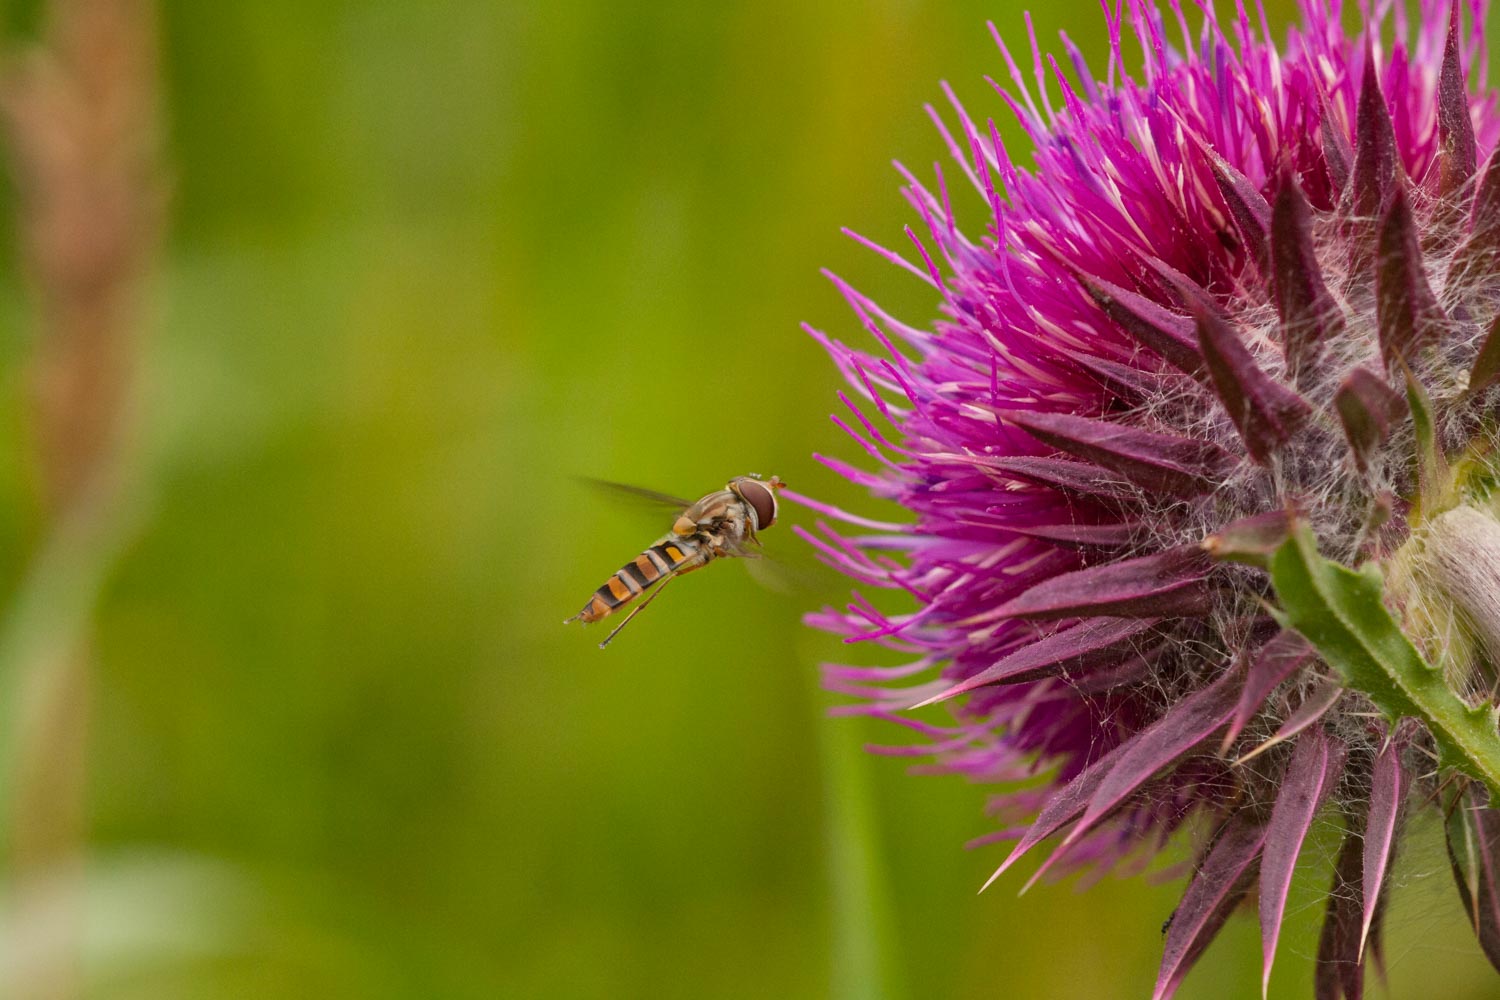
635 577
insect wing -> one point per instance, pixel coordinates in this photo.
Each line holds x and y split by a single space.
774 575
641 495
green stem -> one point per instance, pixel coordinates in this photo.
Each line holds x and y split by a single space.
1340 611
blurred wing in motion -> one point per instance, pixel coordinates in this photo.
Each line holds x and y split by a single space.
640 495
787 571
775 575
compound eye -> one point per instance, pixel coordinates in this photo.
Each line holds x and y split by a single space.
759 496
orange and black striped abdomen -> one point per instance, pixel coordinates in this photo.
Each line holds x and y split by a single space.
636 576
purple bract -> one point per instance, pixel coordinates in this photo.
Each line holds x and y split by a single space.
1221 294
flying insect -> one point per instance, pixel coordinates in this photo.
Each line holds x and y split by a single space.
721 524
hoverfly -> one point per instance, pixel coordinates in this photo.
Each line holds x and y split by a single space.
723 523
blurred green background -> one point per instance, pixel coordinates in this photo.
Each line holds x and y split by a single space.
427 263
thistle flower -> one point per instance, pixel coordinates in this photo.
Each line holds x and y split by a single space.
1237 332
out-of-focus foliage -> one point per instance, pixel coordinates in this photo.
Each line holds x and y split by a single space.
427 263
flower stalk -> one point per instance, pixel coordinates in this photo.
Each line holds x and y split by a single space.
81 125
1343 614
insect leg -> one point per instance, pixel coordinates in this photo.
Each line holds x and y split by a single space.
639 608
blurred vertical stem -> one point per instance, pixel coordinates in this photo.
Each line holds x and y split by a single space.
81 123
865 956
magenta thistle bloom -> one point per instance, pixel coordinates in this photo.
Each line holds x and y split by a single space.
1235 332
